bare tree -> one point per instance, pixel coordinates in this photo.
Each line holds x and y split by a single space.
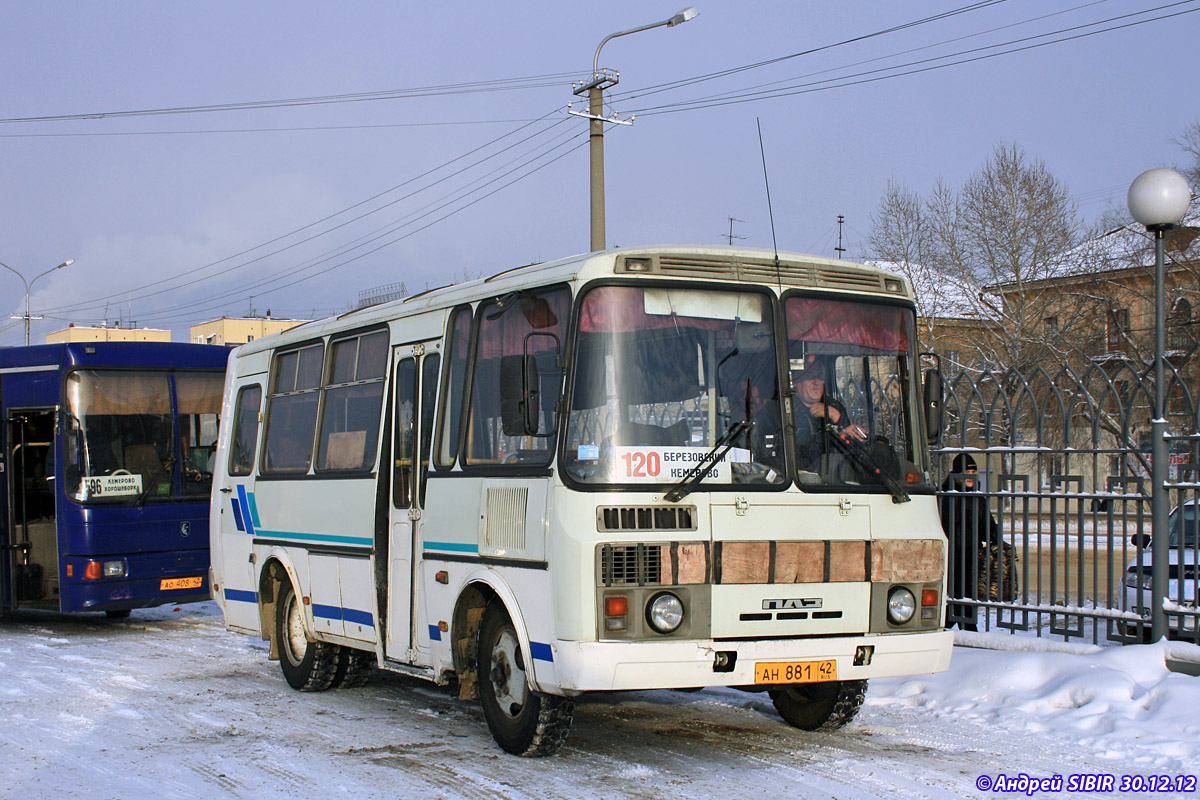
899 239
1189 142
981 251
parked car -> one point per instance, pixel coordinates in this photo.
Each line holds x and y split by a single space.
1183 574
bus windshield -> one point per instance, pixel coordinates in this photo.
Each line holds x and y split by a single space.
122 444
851 368
661 375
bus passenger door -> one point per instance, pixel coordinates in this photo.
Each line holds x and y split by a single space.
233 571
415 368
32 521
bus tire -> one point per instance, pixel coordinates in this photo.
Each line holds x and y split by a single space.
819 706
119 613
307 666
523 722
354 668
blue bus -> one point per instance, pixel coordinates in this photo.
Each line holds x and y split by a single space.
105 474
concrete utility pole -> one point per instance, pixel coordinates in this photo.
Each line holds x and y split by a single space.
28 285
594 88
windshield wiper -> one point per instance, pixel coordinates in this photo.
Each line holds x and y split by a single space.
865 461
145 495
711 458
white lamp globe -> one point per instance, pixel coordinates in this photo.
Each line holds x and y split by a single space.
1158 198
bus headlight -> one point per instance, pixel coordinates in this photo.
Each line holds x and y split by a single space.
665 612
901 605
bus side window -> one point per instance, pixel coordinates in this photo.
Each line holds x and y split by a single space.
245 430
530 326
429 373
402 457
292 410
352 402
453 383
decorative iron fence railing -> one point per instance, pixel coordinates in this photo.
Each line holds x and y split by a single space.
1059 545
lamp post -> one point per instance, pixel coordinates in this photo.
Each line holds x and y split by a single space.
594 87
1158 199
29 285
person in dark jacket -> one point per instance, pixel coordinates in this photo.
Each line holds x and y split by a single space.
969 528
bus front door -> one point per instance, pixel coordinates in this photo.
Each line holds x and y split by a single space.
415 368
32 523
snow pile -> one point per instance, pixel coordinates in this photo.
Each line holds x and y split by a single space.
1120 702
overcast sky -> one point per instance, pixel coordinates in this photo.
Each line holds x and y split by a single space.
179 218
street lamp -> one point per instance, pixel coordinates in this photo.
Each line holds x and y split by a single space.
28 285
1158 199
594 87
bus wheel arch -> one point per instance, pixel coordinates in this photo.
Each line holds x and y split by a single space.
308 665
270 584
522 720
468 616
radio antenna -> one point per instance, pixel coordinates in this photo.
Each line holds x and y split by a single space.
770 211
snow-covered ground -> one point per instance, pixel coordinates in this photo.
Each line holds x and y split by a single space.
169 704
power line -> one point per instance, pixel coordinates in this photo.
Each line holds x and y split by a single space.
502 84
886 73
537 168
124 294
296 129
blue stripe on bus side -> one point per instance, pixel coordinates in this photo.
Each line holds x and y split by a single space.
541 651
237 515
245 509
241 595
253 509
345 614
365 541
453 547
327 612
361 617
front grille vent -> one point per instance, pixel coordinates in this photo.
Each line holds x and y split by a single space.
646 518
790 273
631 564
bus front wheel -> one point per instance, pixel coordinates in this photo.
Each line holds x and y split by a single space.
819 706
523 722
308 666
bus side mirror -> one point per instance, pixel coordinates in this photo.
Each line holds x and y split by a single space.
519 408
934 416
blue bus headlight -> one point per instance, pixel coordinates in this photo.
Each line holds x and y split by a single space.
114 569
664 612
901 605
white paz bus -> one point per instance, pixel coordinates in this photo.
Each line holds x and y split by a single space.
602 473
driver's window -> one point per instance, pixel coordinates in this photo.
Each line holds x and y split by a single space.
526 329
199 397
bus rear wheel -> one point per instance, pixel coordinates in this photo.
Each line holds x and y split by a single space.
819 706
354 668
308 666
523 722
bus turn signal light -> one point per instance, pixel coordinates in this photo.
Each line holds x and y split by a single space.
929 597
616 606
92 571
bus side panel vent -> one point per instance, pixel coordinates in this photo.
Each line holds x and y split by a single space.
504 529
646 518
631 564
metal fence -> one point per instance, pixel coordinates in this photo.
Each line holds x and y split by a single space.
1064 464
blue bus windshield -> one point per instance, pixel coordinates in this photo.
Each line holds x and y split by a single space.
122 444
